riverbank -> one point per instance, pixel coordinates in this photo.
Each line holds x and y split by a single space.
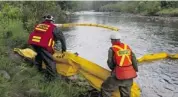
162 13
18 77
164 17
172 12
146 8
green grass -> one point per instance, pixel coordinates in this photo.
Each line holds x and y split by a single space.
26 81
168 12
141 7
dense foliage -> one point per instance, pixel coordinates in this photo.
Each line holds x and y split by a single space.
139 7
17 77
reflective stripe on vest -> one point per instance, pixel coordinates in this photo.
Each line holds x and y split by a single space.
123 53
36 38
51 43
42 27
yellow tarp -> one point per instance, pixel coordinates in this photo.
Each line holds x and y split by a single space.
71 64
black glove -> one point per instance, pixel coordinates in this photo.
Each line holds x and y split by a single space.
63 51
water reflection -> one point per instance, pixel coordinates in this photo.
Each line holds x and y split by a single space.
144 35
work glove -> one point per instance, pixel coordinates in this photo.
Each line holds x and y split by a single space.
63 51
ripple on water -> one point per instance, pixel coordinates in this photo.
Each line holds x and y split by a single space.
157 78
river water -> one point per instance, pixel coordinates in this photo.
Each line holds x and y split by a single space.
144 35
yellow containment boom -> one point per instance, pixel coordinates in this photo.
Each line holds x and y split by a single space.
69 64
157 56
151 57
173 56
87 24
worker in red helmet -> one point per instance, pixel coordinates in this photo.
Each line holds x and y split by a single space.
123 63
43 39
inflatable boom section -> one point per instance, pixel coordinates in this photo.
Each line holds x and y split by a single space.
69 64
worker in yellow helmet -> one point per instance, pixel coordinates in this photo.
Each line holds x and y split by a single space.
123 63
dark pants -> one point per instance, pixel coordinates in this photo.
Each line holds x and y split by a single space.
112 83
46 57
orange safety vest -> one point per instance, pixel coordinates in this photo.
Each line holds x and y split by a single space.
122 56
43 36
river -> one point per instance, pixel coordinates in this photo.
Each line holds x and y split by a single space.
144 34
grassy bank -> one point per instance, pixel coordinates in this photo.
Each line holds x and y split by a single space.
168 12
19 78
160 8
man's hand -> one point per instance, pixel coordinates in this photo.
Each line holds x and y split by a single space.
63 51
